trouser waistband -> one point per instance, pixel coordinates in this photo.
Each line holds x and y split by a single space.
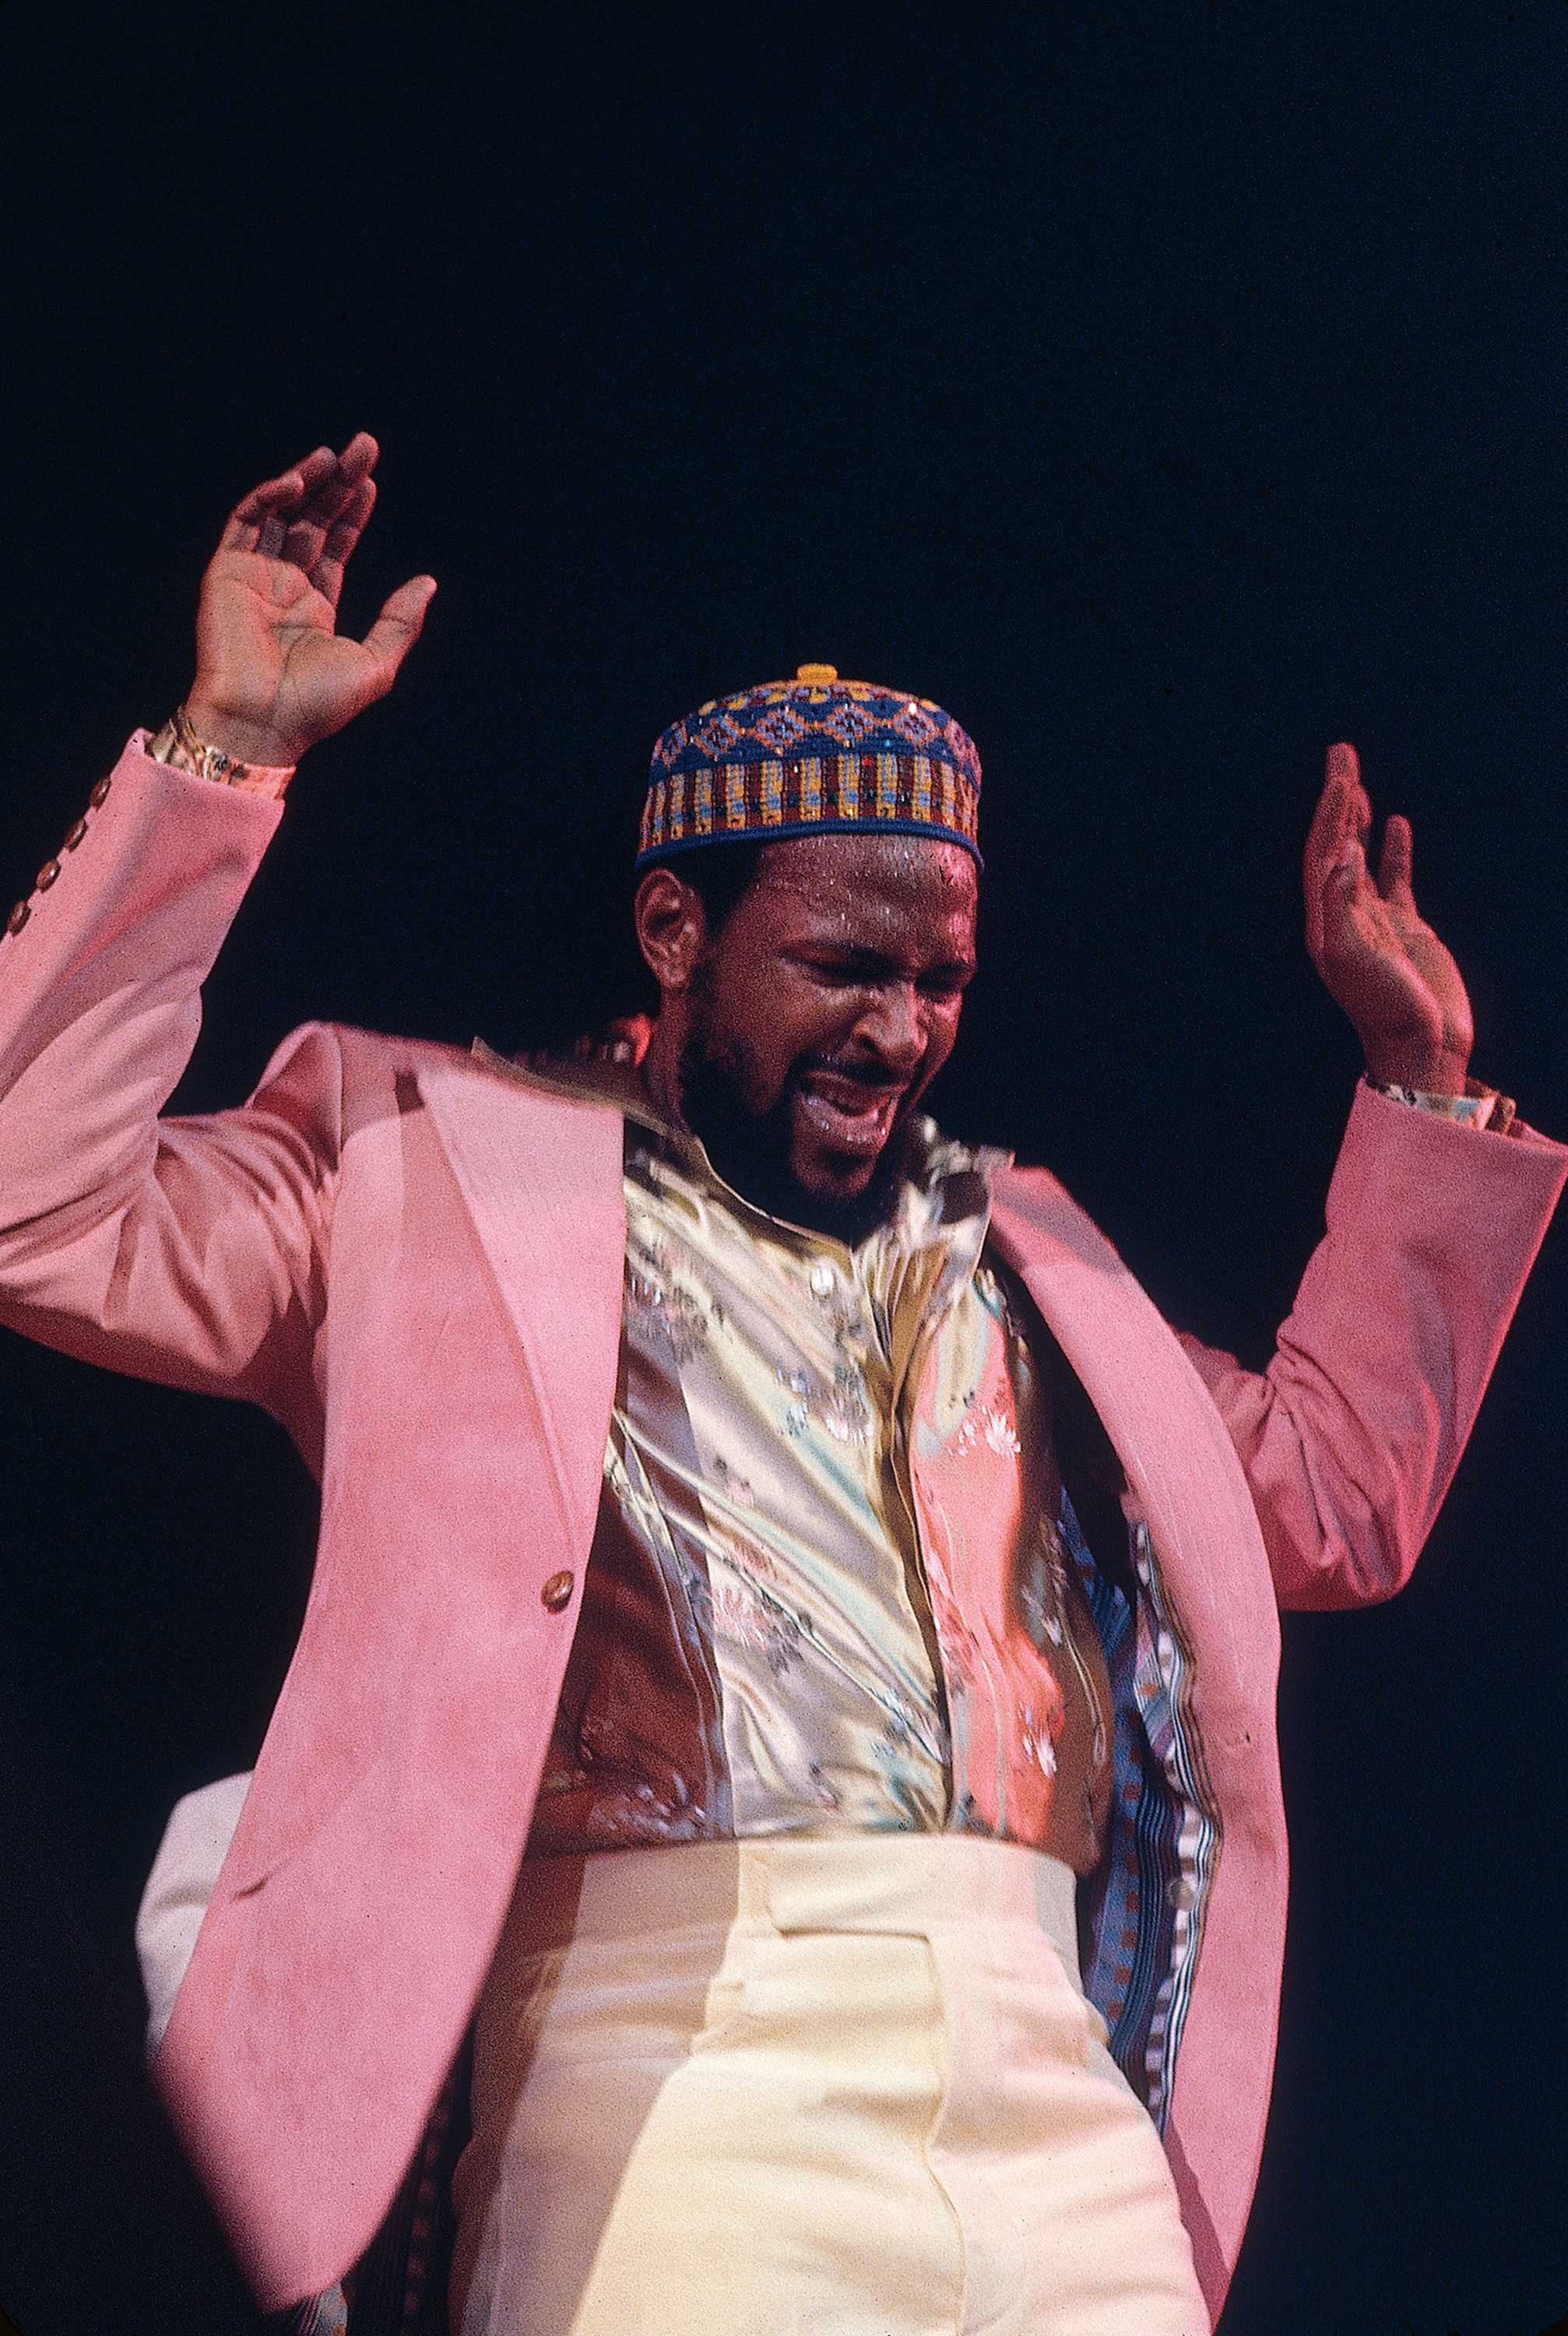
894 1882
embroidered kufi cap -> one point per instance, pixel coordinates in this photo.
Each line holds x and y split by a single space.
804 757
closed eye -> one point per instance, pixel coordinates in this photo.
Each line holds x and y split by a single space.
871 972
836 975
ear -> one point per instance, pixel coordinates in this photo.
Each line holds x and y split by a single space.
671 928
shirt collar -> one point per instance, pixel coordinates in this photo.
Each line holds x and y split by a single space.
944 1184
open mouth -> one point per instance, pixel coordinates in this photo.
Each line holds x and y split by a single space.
847 1114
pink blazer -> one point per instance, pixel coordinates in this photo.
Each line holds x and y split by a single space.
416 1266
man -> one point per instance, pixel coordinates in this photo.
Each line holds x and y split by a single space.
794 1530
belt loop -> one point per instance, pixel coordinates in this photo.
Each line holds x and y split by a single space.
754 1899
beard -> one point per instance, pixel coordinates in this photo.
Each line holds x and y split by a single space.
752 1150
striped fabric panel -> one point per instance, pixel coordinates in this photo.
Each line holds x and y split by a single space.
1165 1679
1123 1953
319 2315
1144 1913
398 2287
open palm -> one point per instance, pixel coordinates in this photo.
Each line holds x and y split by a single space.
1377 955
274 675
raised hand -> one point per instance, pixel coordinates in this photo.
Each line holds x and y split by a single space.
273 674
1376 954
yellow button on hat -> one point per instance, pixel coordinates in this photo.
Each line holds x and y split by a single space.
816 673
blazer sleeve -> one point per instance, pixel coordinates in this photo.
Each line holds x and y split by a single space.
186 1249
1351 1438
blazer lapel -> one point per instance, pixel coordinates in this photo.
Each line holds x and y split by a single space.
1181 1465
541 1176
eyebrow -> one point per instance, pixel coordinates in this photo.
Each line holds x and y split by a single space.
864 959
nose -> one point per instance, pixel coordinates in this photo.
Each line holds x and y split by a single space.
893 1028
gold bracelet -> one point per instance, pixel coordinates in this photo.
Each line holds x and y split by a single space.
178 745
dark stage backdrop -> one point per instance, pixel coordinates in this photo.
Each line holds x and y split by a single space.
1168 393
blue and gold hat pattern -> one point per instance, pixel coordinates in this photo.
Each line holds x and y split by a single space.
806 757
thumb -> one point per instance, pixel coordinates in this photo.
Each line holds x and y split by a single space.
399 624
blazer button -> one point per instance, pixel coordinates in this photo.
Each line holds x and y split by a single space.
556 1592
99 791
18 917
75 836
46 874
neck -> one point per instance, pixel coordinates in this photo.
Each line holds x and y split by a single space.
661 1071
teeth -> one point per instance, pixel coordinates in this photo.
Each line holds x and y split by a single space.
860 1127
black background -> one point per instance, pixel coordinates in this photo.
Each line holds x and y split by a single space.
1165 391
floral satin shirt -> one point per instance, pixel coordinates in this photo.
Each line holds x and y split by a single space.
828 1589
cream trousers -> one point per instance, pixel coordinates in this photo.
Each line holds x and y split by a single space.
787 2086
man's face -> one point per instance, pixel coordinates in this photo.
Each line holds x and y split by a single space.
821 1012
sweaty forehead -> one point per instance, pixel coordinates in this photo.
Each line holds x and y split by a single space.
870 887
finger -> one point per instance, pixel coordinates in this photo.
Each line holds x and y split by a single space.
306 478
1340 884
288 484
257 512
360 456
334 481
1395 863
309 528
1345 764
240 528
270 535
282 493
1325 840
1337 902
1330 818
327 575
399 624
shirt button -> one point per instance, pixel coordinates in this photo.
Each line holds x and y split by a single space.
18 917
556 1592
822 1278
100 792
1180 1895
78 831
46 874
